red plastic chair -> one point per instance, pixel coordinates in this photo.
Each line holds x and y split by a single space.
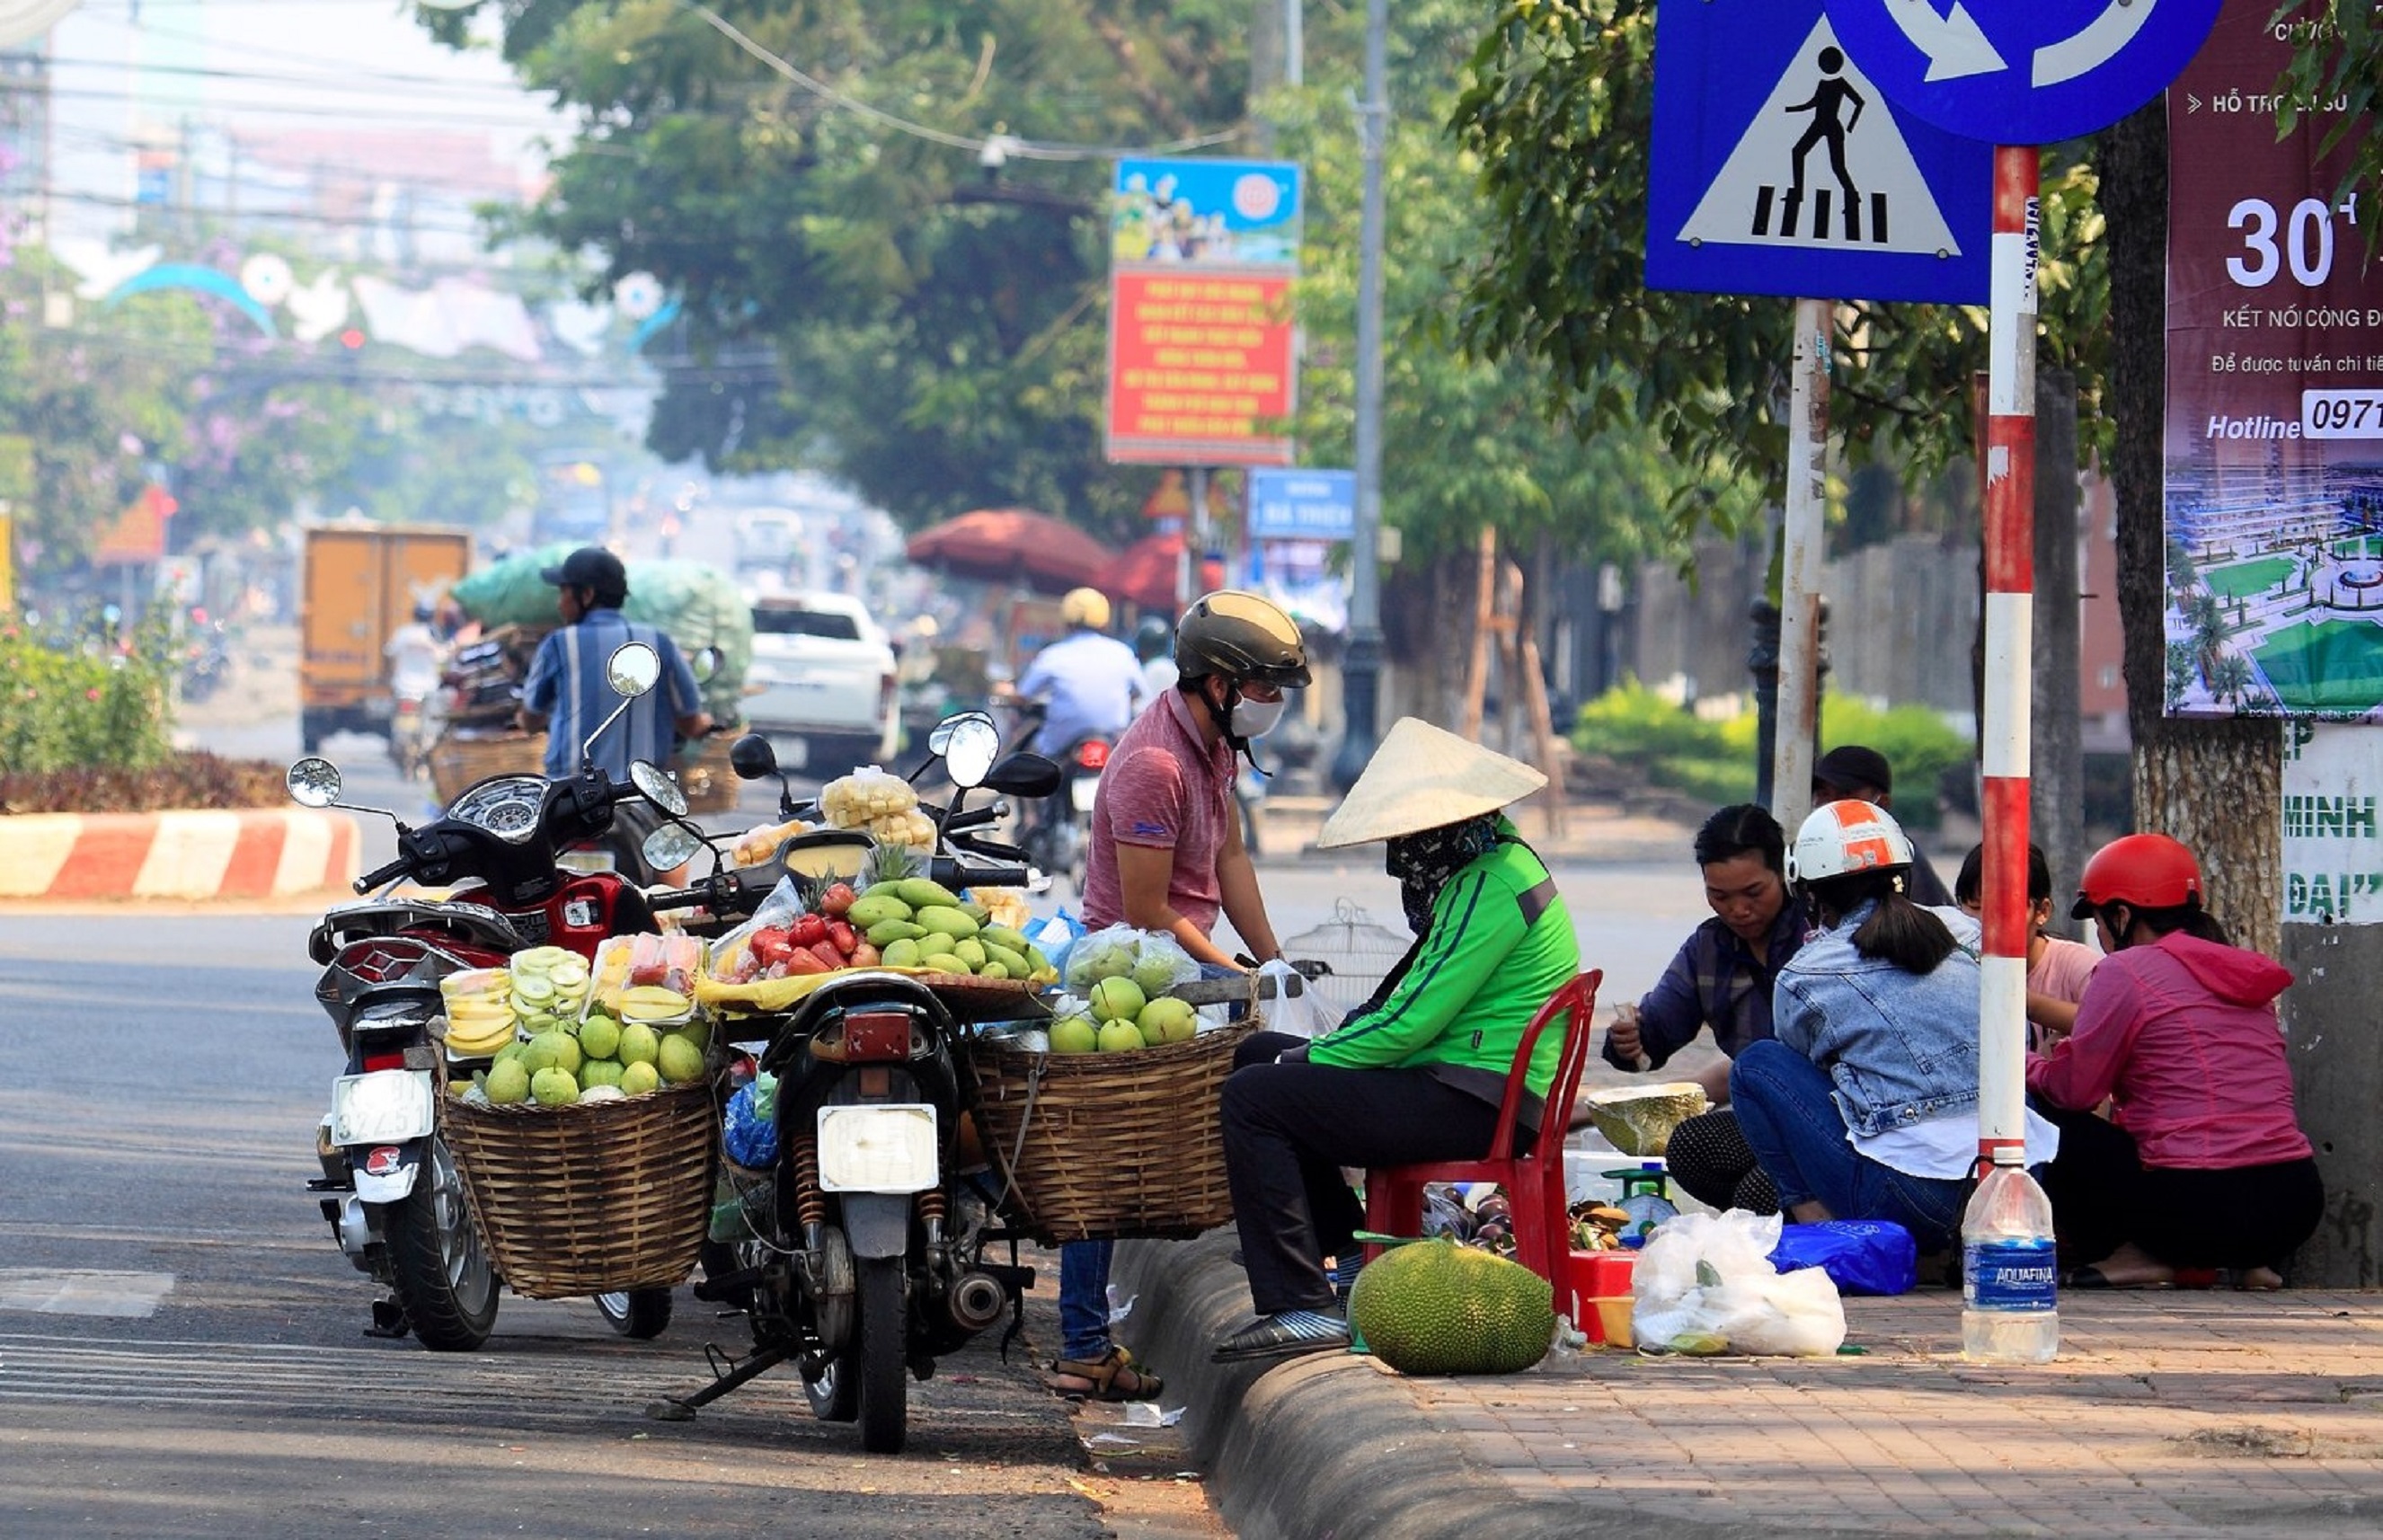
1533 1182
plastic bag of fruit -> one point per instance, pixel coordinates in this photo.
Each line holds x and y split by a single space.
761 843
869 794
1153 961
623 963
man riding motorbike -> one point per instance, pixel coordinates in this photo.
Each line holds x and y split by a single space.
566 692
1088 684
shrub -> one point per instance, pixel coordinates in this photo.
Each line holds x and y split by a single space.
72 710
178 780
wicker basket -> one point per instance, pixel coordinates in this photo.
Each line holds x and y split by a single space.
592 1198
1109 1146
457 759
709 783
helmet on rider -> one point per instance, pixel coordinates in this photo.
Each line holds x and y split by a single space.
1844 838
425 612
1151 638
1085 609
1245 641
2143 871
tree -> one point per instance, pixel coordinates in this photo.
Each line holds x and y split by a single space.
857 293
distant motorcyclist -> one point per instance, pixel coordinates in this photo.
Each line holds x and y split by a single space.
1154 643
416 655
567 693
1089 683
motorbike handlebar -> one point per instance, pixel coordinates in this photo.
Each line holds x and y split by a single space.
953 874
388 873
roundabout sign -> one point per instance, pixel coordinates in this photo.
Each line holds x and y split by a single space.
2022 71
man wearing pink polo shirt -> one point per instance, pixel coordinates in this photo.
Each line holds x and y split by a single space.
1167 856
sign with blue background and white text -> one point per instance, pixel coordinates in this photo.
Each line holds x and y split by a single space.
1302 505
1780 168
2022 71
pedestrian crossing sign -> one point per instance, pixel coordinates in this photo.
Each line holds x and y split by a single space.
1780 168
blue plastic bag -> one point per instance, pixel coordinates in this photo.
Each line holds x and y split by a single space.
749 1129
1861 1256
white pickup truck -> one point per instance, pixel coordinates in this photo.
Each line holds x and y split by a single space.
823 686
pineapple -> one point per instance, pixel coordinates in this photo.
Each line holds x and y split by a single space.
889 863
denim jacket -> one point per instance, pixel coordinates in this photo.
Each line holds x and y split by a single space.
1899 1047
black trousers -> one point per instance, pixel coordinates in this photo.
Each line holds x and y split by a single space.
1710 1160
2103 1196
1288 1131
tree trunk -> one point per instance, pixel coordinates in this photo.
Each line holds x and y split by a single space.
2056 799
2213 784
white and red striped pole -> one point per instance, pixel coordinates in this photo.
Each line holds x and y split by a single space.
2010 626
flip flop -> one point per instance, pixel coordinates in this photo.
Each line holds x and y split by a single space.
1102 1379
2089 1278
1285 1334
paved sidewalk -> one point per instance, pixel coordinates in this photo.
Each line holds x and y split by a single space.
2168 1414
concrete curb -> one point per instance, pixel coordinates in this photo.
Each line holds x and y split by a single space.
267 853
1315 1449
1332 1447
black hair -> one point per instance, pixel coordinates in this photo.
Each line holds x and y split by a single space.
1897 931
2188 917
1736 830
1971 885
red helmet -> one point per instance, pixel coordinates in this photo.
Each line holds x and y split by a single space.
2150 871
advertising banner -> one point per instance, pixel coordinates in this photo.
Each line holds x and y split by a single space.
2274 438
1200 340
2333 843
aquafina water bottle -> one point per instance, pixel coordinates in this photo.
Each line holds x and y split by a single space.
2009 1273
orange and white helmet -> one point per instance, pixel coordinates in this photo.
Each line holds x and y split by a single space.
1843 838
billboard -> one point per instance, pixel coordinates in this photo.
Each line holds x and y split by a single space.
2273 446
1201 362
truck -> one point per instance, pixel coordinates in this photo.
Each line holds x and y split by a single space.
823 685
359 583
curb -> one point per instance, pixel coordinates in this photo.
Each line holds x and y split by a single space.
1318 1448
274 853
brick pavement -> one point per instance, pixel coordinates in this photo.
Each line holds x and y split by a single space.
2168 1414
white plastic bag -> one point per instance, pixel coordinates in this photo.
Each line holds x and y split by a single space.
1704 1284
1301 1013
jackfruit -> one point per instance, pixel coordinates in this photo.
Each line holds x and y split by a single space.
1438 1308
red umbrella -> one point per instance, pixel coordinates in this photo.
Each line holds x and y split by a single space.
1145 574
1012 545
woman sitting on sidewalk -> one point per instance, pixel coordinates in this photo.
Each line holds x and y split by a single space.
1417 1072
1865 1104
2206 1167
2057 970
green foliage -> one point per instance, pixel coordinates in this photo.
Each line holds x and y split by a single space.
64 710
1715 760
1559 112
2337 60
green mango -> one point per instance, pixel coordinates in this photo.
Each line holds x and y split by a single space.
903 952
887 931
876 909
946 921
920 893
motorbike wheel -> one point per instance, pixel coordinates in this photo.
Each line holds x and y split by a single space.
640 1313
445 1280
884 1390
834 1396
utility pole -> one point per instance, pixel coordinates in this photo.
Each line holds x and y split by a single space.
1361 673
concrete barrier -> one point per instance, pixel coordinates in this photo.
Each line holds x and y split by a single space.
276 853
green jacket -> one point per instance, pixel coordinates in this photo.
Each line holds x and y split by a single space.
1500 943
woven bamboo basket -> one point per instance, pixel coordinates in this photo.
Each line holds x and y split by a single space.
592 1198
709 783
456 761
1109 1146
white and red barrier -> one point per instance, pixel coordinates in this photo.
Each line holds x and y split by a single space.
279 852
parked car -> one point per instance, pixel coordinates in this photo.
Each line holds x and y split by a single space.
823 687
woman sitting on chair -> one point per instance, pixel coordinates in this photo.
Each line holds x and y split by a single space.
1417 1072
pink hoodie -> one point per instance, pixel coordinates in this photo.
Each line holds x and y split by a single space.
2183 1035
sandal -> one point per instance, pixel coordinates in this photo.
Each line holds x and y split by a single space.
1285 1334
1111 1377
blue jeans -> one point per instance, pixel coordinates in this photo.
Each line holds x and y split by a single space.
1784 1107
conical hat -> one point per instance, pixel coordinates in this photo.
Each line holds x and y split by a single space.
1421 778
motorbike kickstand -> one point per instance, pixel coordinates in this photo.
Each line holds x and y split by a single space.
727 1374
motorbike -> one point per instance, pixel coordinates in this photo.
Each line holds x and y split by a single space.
389 1189
1057 831
412 731
865 1258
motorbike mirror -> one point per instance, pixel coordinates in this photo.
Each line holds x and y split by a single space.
670 847
1024 775
939 738
705 664
658 788
970 750
313 781
752 757
632 669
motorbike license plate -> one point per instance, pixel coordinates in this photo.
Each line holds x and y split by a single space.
1082 790
886 1148
388 1106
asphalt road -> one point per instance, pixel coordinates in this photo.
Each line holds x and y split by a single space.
181 1346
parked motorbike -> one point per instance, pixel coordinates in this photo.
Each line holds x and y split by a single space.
1057 830
389 1188
865 1261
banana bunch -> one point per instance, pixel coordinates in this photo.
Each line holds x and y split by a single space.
479 1012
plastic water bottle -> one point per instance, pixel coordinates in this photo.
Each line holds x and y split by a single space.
2009 1274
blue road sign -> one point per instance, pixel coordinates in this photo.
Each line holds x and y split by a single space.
1780 168
1302 505
2022 71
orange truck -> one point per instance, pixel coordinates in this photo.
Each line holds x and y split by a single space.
361 583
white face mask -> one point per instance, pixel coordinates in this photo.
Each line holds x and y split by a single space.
1255 719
